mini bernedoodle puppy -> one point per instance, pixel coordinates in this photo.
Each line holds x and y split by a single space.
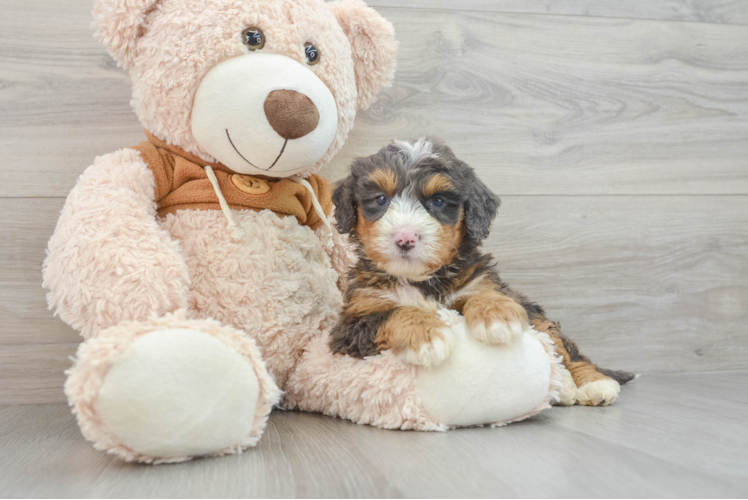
417 216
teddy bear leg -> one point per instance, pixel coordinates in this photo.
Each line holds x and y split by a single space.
476 385
378 390
169 389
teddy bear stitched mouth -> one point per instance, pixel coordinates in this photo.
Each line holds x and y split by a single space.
255 166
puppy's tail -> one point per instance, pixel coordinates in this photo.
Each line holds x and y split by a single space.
619 376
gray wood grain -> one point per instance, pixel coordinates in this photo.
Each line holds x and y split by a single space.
669 436
542 104
701 11
570 105
645 283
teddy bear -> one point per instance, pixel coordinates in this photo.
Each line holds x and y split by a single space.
202 266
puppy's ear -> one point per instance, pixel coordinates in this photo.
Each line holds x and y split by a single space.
481 208
119 25
373 47
344 200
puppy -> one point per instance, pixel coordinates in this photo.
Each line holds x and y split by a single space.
417 216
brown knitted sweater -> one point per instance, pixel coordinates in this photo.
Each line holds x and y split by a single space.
181 183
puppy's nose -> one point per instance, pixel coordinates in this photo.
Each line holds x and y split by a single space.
290 113
406 240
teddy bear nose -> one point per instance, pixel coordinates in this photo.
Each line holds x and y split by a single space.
290 113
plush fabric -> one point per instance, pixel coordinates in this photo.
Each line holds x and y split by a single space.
205 399
371 40
277 284
378 391
108 259
97 357
264 140
476 385
479 384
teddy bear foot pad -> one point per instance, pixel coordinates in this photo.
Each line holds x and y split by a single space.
168 394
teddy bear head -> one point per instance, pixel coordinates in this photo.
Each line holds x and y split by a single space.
266 87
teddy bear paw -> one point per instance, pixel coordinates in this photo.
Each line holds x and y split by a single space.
177 393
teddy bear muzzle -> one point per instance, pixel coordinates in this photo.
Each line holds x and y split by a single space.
264 114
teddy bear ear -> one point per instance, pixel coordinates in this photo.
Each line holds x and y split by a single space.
119 24
373 47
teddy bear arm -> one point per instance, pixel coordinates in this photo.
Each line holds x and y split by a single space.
108 260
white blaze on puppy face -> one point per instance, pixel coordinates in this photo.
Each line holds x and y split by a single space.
406 213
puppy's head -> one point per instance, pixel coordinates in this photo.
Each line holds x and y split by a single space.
411 205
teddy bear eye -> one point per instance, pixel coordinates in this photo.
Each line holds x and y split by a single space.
253 38
312 54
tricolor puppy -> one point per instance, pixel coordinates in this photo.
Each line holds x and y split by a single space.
417 215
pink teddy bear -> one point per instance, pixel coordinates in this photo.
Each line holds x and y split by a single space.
201 265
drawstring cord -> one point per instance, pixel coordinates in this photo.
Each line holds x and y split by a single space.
317 208
237 233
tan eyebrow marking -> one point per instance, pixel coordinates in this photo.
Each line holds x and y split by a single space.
385 179
437 184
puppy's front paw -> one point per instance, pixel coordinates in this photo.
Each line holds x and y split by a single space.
430 353
497 332
416 337
494 318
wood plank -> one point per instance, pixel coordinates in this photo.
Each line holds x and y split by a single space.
642 283
651 284
63 100
570 105
541 104
645 417
700 11
34 373
567 452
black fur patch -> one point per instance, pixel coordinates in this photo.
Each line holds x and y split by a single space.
355 336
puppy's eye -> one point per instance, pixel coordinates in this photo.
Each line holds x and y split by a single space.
437 202
253 38
312 54
382 200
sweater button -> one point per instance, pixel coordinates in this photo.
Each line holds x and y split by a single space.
249 184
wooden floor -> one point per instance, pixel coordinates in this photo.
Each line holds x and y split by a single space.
669 436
